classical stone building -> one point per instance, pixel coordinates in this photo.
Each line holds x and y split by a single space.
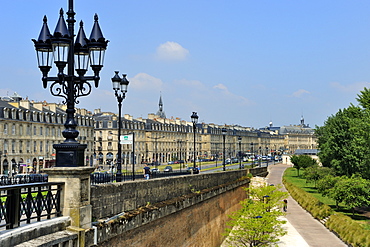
29 129
162 140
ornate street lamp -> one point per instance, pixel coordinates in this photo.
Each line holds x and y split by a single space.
240 152
194 118
76 55
120 89
224 132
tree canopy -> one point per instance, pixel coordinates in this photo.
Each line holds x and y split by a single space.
302 161
258 222
343 140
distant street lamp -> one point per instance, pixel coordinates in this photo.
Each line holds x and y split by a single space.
224 131
240 152
194 119
120 89
75 53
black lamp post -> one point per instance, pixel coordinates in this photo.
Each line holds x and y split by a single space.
240 152
76 53
224 131
194 119
120 89
253 156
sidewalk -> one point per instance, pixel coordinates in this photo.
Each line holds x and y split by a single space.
303 229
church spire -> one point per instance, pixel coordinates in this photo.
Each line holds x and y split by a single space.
160 112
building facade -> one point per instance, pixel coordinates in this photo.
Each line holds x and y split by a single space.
29 129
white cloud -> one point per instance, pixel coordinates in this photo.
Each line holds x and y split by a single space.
354 87
143 81
299 93
171 51
221 87
227 95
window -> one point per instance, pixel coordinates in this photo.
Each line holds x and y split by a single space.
13 129
5 147
34 130
41 131
21 130
110 124
28 130
5 129
28 146
13 146
47 147
34 147
41 146
20 146
47 131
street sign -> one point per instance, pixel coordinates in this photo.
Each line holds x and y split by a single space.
126 139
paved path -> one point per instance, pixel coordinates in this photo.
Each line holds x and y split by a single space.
303 229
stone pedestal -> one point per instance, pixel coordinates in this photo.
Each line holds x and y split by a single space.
75 198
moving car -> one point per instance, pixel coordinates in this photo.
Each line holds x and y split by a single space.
168 169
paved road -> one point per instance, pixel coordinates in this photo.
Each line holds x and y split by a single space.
300 223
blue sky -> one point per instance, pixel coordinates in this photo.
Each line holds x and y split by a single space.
234 62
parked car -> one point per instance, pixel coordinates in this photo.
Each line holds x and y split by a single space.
168 169
155 170
171 162
101 177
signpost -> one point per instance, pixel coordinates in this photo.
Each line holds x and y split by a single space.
127 139
130 139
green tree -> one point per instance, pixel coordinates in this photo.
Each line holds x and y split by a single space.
316 172
353 192
258 223
325 184
302 161
344 139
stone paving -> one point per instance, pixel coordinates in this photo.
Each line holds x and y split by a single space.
303 229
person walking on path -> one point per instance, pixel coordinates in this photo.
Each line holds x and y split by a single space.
303 225
285 207
146 171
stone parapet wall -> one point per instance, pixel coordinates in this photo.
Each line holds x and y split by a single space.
108 200
195 219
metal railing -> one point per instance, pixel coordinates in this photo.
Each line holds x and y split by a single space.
23 179
21 204
106 177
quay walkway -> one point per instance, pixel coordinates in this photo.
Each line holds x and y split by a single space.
303 229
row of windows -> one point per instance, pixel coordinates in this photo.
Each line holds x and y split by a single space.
31 130
29 146
141 126
39 130
46 117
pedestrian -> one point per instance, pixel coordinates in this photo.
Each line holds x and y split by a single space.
285 206
146 171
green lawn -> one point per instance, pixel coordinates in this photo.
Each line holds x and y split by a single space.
291 176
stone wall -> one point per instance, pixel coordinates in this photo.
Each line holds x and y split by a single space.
197 219
108 200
